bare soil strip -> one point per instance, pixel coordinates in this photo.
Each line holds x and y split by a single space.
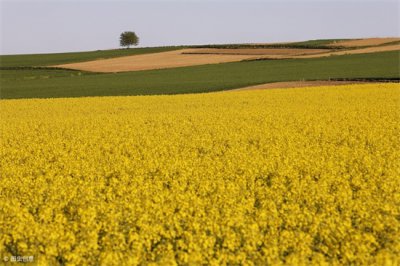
365 42
298 84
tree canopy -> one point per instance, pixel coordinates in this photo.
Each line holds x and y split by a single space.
128 38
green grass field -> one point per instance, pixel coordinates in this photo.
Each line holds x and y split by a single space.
61 83
9 61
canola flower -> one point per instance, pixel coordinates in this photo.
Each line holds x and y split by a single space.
277 177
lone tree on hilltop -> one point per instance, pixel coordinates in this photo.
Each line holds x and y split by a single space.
128 38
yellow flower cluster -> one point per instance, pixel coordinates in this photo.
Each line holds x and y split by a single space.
288 176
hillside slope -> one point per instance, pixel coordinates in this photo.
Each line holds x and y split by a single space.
196 79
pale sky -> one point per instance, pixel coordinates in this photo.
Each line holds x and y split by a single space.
33 26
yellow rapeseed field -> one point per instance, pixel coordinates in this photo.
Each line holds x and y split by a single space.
287 176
